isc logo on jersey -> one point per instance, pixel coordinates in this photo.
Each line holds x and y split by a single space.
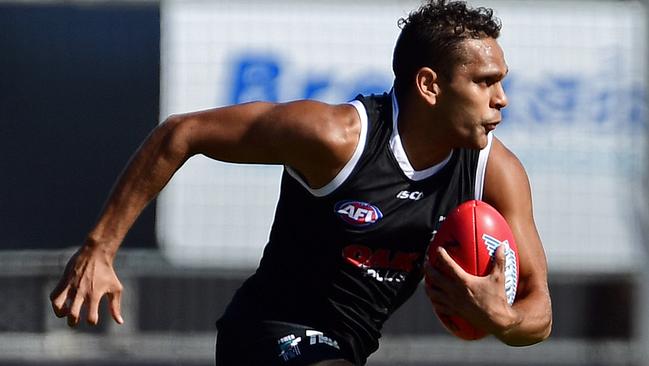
408 195
358 213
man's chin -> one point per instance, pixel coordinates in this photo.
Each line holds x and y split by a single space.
474 141
478 142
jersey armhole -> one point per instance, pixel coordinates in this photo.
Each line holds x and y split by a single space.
346 171
481 169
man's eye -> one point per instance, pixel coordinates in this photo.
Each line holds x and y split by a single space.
487 81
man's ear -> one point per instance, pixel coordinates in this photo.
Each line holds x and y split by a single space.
428 85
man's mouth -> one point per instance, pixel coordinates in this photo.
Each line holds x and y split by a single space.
491 126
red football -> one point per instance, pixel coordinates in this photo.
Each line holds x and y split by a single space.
470 234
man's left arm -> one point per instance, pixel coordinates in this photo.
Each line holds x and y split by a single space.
507 189
482 300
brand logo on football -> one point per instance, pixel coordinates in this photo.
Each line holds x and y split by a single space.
511 272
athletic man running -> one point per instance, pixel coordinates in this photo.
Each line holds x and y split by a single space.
365 185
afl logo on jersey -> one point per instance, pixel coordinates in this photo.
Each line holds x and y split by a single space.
358 213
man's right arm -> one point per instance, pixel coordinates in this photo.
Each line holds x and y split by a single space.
313 138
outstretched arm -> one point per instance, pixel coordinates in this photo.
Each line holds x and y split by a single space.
481 300
313 138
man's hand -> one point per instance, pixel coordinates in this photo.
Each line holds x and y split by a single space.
88 276
479 300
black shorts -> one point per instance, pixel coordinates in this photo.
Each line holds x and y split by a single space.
278 343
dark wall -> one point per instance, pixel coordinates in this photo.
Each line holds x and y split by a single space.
79 90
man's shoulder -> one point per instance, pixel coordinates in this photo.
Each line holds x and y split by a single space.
374 100
377 106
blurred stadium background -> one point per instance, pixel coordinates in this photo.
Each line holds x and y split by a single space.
82 83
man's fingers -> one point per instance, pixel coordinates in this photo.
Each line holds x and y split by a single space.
58 299
438 299
93 310
75 310
434 294
115 305
88 276
448 264
61 287
435 278
499 260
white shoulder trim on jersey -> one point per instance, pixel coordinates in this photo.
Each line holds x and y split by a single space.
482 167
344 173
400 154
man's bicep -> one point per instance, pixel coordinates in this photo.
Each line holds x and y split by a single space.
315 139
507 188
238 134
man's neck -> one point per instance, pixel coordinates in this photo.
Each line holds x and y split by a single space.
424 145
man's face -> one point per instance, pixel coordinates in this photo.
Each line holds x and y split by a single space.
471 101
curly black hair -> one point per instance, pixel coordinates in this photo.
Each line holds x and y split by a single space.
431 36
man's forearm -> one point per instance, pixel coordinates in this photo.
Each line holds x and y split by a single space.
534 321
145 175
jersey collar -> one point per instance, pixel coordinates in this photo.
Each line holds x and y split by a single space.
399 153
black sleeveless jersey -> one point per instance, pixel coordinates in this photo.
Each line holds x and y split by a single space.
344 259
